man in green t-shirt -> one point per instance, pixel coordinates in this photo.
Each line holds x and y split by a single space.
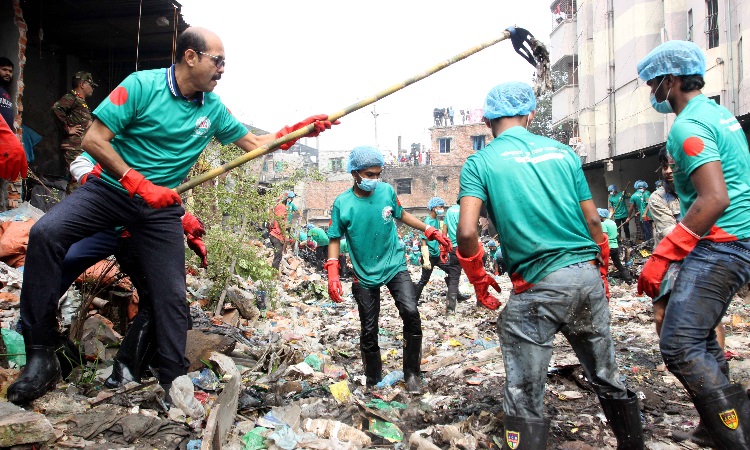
291 208
557 268
321 244
365 215
610 230
639 209
431 257
618 209
146 136
708 153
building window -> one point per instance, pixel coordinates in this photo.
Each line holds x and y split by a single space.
445 145
278 166
265 166
403 186
690 26
712 23
716 98
444 182
337 164
477 142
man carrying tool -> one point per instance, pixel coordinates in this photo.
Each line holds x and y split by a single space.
618 209
431 257
146 135
365 215
708 154
557 258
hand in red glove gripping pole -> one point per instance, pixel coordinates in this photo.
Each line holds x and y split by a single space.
334 282
321 124
12 157
474 268
674 247
155 196
604 263
196 244
193 225
95 172
432 234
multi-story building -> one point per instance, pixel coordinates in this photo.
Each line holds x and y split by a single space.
596 46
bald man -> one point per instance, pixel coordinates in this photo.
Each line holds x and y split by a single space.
146 136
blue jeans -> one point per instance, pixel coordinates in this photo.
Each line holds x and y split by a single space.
157 240
570 300
710 276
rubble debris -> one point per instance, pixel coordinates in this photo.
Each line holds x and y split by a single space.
18 426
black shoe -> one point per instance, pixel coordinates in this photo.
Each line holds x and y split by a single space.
726 414
521 433
42 369
373 367
463 297
136 351
450 307
698 436
412 361
624 417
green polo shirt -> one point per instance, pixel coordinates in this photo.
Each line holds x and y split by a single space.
620 207
705 132
640 200
160 133
451 222
532 186
369 226
609 227
433 246
319 236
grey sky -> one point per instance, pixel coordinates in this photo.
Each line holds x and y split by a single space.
291 59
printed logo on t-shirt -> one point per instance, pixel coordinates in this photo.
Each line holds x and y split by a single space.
387 214
202 125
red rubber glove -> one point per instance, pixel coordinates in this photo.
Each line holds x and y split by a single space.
674 247
474 268
334 282
193 225
95 172
196 244
155 196
12 157
604 263
432 234
321 124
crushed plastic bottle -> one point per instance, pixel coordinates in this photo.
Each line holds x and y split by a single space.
391 379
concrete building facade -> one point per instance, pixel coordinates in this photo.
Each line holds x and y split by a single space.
597 45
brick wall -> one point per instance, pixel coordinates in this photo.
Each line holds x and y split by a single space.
460 143
426 182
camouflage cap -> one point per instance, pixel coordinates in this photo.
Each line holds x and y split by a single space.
85 76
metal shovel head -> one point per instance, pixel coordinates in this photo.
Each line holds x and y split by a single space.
522 44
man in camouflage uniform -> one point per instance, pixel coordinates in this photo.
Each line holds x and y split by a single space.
75 118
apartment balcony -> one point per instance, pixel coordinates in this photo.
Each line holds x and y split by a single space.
565 104
563 40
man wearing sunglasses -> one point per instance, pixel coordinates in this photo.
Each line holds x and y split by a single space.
146 136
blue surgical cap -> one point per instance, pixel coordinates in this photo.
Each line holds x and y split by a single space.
415 248
363 157
612 188
434 202
640 184
291 194
509 99
673 58
603 213
659 183
492 243
310 226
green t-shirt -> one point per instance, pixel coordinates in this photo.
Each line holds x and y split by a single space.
368 224
414 258
302 236
433 246
704 132
619 207
343 247
609 227
640 200
451 222
319 236
158 132
532 187
290 208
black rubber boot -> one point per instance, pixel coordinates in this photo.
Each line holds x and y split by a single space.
463 297
136 352
42 370
521 433
418 291
624 417
726 415
412 361
450 307
699 435
373 367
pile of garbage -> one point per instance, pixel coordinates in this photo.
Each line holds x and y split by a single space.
280 368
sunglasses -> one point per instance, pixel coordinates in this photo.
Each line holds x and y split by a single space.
219 61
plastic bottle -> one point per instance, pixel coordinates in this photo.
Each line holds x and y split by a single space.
14 345
391 379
